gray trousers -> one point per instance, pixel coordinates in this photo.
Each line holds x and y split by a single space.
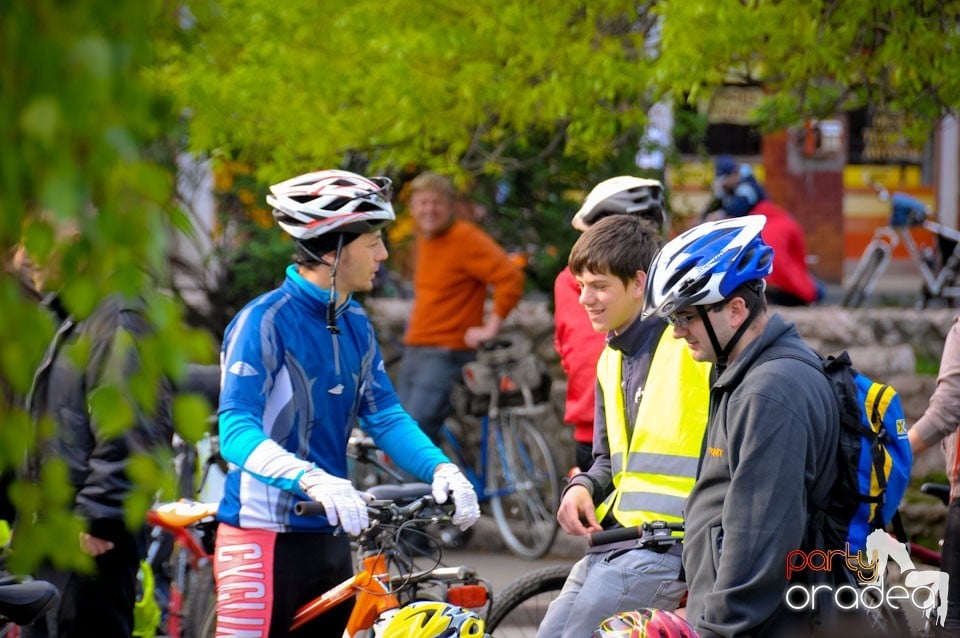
424 382
605 583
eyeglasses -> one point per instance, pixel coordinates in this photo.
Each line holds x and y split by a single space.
681 319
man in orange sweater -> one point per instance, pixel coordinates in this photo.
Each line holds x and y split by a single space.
455 264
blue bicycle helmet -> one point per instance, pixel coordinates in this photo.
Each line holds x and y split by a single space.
705 264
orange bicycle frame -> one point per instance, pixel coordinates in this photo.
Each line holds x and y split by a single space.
373 597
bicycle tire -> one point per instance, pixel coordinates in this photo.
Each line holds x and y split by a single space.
519 609
884 621
864 277
521 465
208 626
201 597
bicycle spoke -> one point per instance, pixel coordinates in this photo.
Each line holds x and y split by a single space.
527 487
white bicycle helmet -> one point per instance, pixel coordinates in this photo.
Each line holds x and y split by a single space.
705 264
623 195
313 204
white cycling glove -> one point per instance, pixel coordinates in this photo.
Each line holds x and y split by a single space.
448 478
343 504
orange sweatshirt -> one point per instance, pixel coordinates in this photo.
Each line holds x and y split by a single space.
450 280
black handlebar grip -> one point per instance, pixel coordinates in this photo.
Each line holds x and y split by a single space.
615 535
309 508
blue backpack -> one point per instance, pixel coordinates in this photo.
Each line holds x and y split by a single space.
874 459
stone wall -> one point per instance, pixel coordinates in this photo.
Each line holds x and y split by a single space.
884 343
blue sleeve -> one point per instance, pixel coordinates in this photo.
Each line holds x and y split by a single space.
396 433
243 443
251 357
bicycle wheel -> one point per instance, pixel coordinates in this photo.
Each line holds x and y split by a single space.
208 626
525 488
864 278
201 598
520 607
881 619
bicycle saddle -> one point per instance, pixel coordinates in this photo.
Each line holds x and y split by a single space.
399 493
181 513
24 602
506 347
938 490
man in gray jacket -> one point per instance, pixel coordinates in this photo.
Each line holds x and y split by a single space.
770 447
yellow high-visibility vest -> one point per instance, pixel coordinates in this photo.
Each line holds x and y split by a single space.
654 463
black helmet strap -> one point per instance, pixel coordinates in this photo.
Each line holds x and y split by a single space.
724 352
332 303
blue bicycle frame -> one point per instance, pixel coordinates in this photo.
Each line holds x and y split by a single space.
478 478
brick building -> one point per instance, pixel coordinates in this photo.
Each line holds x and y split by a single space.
822 173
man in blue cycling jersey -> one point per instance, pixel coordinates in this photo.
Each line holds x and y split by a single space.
300 368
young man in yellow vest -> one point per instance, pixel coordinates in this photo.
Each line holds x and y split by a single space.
651 410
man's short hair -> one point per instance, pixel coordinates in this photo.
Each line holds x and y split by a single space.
752 293
430 181
618 245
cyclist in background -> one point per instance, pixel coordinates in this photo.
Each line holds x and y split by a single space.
651 409
939 424
455 264
301 367
574 338
737 193
771 442
736 190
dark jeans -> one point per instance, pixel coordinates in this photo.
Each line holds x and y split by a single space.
424 383
98 604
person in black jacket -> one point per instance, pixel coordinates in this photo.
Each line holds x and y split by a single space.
101 603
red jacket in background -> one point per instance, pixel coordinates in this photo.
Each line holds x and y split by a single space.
785 236
579 346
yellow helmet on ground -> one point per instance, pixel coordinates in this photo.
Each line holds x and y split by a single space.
428 619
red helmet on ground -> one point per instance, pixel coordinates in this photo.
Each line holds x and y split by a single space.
645 623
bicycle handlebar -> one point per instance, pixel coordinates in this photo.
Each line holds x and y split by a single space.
424 509
652 534
309 508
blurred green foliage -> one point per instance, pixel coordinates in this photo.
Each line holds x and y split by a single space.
80 190
527 104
